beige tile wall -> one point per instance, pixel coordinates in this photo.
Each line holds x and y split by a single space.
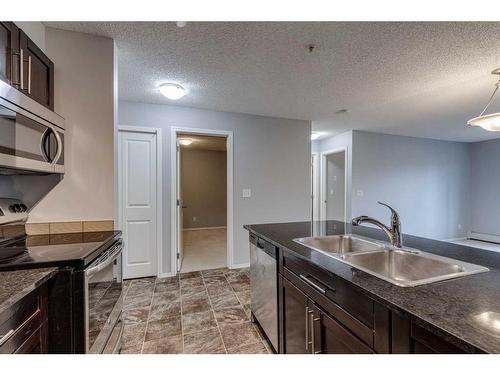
69 227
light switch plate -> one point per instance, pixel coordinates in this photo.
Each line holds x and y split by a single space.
246 193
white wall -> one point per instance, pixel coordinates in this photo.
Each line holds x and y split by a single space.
485 187
84 96
427 181
271 156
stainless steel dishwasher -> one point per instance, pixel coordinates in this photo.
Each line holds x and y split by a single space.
264 287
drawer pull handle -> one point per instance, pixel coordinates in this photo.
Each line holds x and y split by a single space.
315 285
7 336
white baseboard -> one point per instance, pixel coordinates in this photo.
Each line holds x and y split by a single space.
240 265
165 275
455 239
204 228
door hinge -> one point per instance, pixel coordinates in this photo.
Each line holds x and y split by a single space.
177 255
178 202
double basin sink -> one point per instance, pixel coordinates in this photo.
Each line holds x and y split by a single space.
404 267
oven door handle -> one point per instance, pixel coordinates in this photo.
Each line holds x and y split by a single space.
117 346
110 259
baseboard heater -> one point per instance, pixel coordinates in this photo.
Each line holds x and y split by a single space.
493 238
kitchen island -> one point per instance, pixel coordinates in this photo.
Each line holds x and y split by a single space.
372 315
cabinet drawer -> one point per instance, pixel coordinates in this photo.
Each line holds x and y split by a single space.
19 323
354 325
336 289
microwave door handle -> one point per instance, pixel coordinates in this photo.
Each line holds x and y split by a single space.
43 143
105 263
59 146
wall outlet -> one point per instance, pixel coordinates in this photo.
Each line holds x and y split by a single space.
246 193
194 219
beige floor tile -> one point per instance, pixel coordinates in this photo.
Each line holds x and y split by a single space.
234 334
255 348
159 329
206 342
231 315
198 322
166 345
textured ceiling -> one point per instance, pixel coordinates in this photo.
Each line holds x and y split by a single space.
201 142
417 79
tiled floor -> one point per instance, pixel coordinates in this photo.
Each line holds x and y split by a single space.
198 312
204 249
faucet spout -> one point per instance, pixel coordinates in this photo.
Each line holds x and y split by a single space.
394 232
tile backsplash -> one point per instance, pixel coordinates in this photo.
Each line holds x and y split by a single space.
69 227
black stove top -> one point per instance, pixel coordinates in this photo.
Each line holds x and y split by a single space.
72 249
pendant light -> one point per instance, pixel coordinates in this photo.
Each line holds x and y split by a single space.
489 122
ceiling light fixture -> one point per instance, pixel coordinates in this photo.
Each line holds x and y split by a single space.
181 24
489 122
185 141
315 135
172 91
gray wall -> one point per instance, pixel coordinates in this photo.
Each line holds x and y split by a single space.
485 187
427 181
335 186
204 186
271 156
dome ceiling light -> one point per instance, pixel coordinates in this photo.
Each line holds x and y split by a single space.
489 122
172 91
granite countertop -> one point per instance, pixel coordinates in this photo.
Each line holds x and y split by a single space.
15 285
450 308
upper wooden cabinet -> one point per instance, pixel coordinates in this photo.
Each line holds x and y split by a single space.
24 66
9 49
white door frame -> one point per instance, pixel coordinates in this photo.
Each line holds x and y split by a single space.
159 193
173 200
323 192
316 186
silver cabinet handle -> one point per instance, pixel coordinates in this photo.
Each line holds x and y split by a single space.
311 320
315 320
313 284
307 328
7 336
21 70
29 74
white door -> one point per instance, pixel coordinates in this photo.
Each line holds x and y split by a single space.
137 175
180 217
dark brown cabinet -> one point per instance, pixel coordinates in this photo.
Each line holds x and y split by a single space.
295 319
9 49
24 66
330 337
38 72
24 326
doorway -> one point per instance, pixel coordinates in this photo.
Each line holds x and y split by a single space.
202 198
139 196
334 185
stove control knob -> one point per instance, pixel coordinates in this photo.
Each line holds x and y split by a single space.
23 207
17 207
12 208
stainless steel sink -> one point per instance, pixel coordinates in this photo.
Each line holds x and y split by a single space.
400 266
341 244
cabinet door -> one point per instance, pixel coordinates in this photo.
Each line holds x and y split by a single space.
330 337
38 72
9 47
296 317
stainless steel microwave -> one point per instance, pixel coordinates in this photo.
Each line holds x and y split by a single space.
31 136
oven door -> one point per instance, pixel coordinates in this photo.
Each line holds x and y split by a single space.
28 143
104 300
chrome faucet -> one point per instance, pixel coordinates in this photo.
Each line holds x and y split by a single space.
394 232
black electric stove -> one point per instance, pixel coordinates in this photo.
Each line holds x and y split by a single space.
76 250
85 296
